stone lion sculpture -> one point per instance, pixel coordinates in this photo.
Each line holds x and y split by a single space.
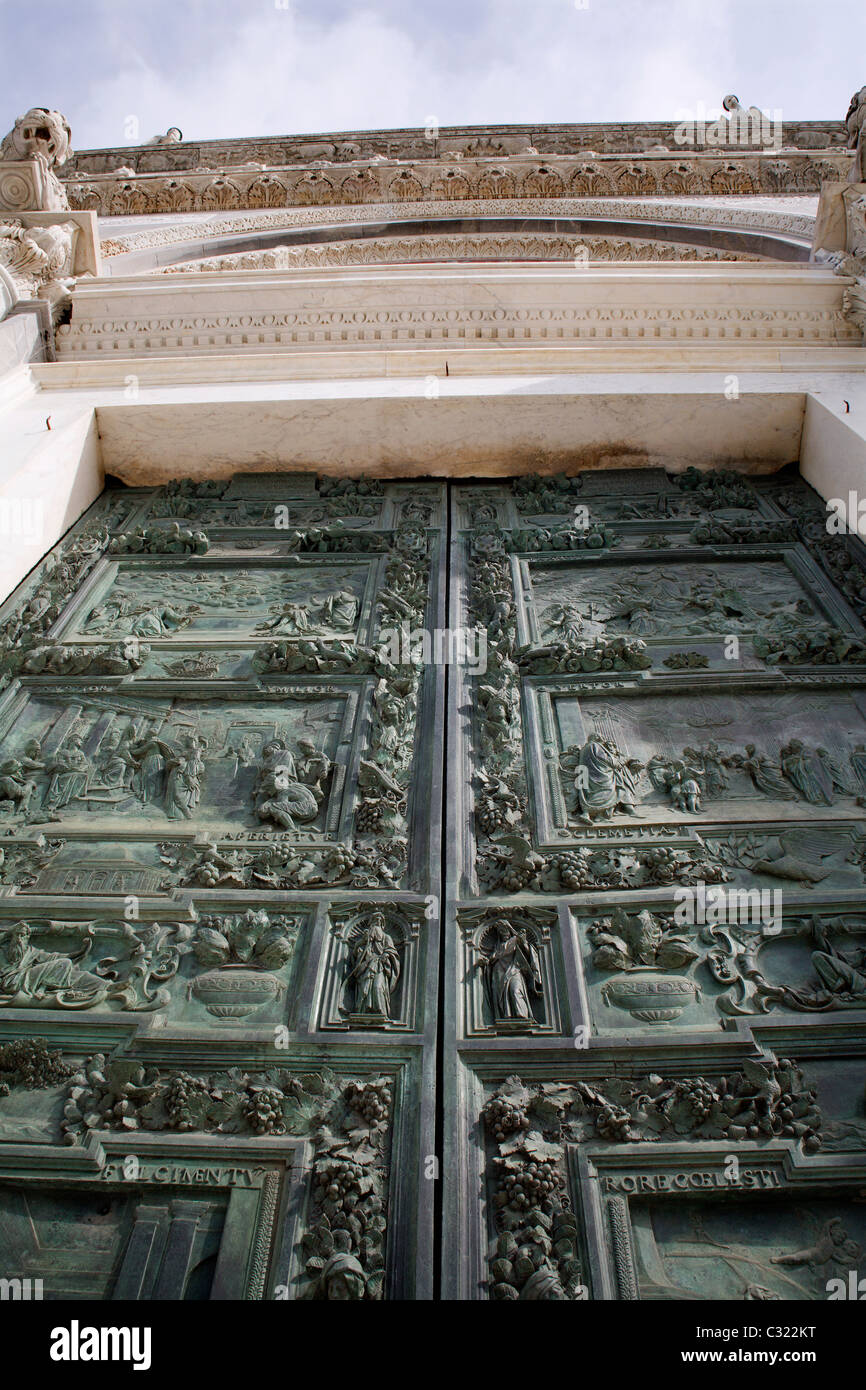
40 131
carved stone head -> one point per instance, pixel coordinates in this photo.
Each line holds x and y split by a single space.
343 1279
39 132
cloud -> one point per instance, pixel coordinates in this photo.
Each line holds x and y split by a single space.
228 68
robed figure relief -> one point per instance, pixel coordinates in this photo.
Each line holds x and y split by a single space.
512 971
374 969
32 978
604 781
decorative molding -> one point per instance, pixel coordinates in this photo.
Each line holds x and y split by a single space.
466 247
530 1125
426 306
789 215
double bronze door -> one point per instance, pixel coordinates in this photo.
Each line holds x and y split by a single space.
423 890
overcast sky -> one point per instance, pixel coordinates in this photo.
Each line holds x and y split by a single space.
222 68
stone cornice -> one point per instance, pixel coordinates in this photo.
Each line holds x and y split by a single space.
495 142
792 217
455 306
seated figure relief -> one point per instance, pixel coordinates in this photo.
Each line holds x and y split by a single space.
289 789
43 979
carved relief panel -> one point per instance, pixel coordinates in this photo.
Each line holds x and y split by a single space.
219 772
225 792
659 760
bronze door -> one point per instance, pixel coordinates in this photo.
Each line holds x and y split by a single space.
260 736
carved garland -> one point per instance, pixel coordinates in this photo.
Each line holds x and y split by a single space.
348 1121
535 1240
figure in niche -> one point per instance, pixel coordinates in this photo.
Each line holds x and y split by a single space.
289 620
70 774
604 781
43 979
279 795
766 776
807 772
340 610
374 962
512 971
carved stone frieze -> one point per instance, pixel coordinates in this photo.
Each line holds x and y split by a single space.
467 247
788 215
410 180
